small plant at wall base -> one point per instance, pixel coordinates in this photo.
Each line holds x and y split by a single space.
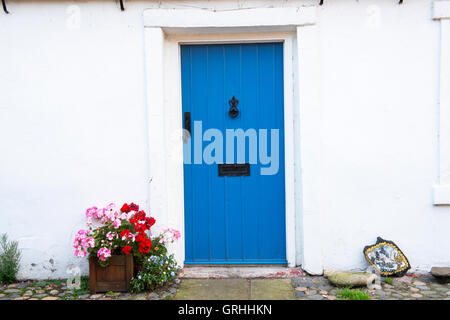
9 259
352 294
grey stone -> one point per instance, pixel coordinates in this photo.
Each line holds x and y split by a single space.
54 292
396 295
426 278
441 289
22 285
153 296
11 290
427 293
315 297
172 290
333 291
177 281
299 294
379 293
310 292
28 293
422 288
440 272
305 284
50 298
40 284
95 296
2 295
348 278
84 296
326 288
39 296
296 281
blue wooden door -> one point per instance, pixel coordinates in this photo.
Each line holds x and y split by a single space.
236 218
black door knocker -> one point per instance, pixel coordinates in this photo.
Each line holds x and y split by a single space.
233 112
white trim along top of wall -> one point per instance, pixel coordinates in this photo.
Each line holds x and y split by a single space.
203 18
165 29
441 191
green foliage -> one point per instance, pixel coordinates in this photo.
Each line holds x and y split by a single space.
9 259
156 271
389 281
157 249
355 294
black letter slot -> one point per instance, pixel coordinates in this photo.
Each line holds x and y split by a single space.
234 170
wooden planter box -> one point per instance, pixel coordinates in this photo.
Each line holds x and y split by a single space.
115 277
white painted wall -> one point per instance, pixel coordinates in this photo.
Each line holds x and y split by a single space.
73 125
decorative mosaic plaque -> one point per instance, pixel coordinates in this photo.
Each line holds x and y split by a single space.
387 258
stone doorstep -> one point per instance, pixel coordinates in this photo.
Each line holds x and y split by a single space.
247 272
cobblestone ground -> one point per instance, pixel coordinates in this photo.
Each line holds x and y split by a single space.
415 287
57 290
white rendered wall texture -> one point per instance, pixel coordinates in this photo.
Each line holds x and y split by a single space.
73 125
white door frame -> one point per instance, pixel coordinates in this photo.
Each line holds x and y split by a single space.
164 31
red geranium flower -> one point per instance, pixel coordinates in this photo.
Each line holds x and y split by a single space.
134 207
140 215
125 208
150 221
140 228
125 233
126 249
145 246
140 237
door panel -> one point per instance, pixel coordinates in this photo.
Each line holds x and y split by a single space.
234 219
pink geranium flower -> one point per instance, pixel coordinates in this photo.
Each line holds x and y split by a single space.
103 254
110 235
